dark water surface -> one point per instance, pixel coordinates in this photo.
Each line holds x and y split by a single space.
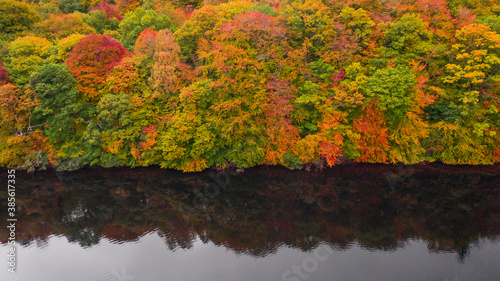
362 222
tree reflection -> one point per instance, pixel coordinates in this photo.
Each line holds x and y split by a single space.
256 212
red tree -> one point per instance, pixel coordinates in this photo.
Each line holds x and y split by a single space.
110 10
146 42
125 6
4 78
437 14
281 132
91 60
374 137
464 17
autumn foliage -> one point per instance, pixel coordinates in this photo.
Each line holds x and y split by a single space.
111 11
91 60
4 78
191 85
373 142
146 43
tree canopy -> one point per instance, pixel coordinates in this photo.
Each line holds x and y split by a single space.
191 85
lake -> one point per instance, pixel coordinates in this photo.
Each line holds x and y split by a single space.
352 222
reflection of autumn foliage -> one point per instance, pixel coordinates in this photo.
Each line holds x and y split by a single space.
261 210
116 232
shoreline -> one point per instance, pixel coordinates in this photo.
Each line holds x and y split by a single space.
343 168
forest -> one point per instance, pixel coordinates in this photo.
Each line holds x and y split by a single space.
191 85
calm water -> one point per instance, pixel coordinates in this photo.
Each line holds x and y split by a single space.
348 223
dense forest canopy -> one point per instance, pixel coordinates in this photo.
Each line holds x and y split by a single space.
191 84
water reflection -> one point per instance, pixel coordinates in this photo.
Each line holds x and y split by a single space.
256 212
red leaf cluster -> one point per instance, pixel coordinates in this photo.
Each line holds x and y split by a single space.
92 59
4 78
374 138
146 42
110 10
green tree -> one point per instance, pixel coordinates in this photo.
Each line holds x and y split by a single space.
59 107
135 22
391 88
107 137
101 22
189 140
47 10
15 18
310 24
359 22
64 46
25 55
70 6
492 21
188 3
408 38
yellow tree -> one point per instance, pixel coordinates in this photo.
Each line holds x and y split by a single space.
204 23
310 24
21 146
473 83
25 55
